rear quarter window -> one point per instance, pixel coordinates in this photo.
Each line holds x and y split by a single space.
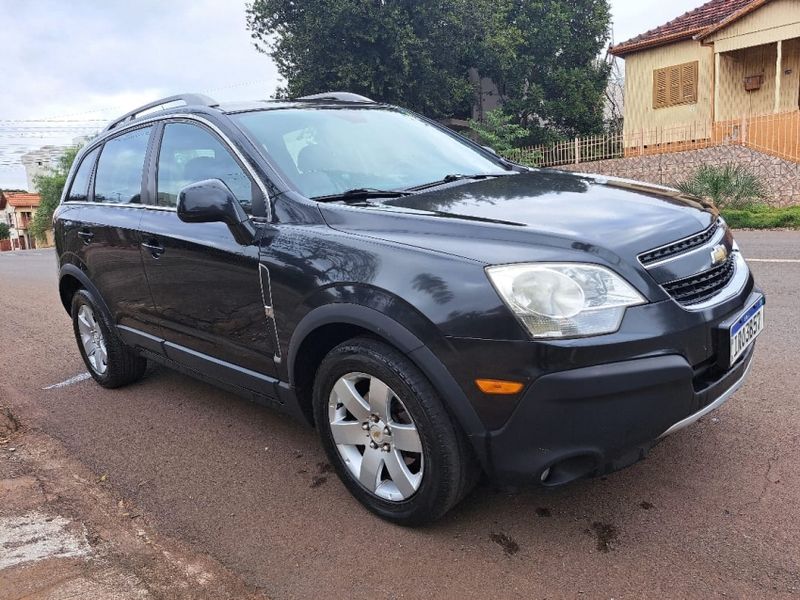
79 189
119 170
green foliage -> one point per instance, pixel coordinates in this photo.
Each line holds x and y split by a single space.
498 131
759 216
4 231
50 187
544 57
728 186
525 156
400 51
542 54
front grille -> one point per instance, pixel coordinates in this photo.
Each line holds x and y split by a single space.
679 247
702 286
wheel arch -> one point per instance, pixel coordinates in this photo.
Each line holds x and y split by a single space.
71 278
327 326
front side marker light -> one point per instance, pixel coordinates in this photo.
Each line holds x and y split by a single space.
499 387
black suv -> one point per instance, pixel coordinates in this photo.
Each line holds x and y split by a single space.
436 311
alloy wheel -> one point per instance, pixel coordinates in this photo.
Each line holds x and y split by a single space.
376 437
94 344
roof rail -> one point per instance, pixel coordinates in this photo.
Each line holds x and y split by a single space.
339 96
188 99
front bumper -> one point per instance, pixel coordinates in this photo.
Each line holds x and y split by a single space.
596 419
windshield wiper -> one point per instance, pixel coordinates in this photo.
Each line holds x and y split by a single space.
361 194
457 177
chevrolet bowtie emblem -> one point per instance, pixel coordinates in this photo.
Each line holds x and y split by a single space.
719 255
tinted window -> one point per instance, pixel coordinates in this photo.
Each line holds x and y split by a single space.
328 151
119 171
190 154
79 189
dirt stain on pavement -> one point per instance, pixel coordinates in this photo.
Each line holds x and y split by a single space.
8 423
606 535
644 504
506 542
543 512
317 481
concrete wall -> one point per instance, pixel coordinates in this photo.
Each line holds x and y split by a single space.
781 177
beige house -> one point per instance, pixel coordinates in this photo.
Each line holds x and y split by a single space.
727 71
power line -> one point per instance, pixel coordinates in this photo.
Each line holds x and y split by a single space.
122 109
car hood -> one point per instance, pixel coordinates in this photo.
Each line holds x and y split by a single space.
615 217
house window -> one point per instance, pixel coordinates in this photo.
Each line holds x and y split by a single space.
673 86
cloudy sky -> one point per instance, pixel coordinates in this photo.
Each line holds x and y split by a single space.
83 62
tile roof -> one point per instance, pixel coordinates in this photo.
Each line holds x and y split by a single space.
19 199
694 23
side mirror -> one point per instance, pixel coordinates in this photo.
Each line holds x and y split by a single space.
211 201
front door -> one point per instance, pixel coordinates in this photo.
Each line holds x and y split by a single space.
205 285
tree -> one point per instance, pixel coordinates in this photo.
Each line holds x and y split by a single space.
4 231
615 96
542 54
50 187
400 51
544 57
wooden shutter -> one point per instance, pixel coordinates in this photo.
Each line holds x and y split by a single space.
660 88
674 75
673 86
689 83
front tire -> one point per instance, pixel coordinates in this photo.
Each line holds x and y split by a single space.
388 434
111 363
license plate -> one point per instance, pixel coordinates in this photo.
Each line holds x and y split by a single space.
746 329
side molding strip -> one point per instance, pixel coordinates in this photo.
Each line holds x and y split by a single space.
269 310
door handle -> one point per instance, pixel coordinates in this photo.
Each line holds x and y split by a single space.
86 236
155 249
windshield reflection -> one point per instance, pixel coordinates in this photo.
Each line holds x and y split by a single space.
325 151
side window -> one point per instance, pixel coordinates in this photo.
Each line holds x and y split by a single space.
79 190
119 171
189 154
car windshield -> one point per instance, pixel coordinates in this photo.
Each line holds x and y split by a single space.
328 151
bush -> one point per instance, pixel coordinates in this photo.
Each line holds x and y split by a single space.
498 131
4 231
729 186
524 156
760 216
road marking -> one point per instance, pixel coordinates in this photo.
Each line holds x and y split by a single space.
775 260
70 381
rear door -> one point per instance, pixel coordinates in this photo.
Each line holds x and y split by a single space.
206 286
100 227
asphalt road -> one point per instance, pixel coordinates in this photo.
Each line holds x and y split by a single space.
714 511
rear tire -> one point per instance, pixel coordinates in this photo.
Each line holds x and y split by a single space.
390 423
110 362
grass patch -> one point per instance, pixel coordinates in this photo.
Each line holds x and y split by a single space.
760 216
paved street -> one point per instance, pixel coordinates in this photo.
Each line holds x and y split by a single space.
713 512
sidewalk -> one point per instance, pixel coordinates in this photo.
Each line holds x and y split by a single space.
64 535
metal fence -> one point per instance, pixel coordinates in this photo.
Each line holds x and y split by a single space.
775 134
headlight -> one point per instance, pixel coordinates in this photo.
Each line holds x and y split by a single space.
560 300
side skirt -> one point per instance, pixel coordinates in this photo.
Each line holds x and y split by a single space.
253 386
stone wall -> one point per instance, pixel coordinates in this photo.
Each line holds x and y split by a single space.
781 177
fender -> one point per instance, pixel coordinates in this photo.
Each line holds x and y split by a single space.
77 273
408 343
